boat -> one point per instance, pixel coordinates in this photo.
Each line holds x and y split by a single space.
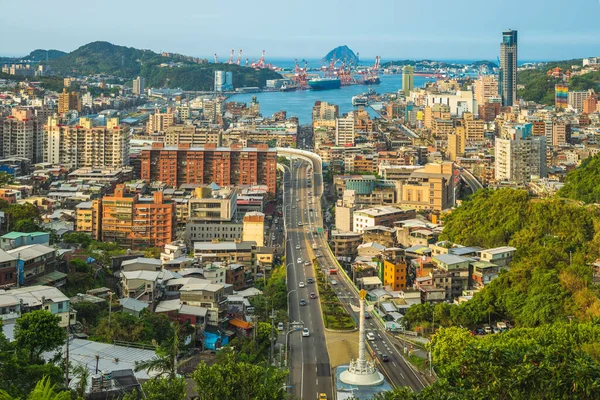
324 83
372 80
360 100
288 88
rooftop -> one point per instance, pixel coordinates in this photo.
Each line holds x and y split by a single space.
450 259
499 250
380 211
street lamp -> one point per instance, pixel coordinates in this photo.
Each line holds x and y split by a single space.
288 300
299 324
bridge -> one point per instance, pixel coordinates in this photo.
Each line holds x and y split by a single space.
315 161
470 180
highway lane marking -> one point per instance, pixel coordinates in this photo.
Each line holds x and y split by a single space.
394 364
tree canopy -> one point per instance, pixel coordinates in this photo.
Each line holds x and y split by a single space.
38 331
582 183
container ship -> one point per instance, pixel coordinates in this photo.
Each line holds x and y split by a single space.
324 83
372 80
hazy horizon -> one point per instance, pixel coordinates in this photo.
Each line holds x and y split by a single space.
548 30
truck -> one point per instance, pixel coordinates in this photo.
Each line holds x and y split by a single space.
502 326
314 246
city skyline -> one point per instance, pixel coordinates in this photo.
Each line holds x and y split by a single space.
469 32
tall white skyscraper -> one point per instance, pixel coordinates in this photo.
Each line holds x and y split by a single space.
519 155
223 81
139 85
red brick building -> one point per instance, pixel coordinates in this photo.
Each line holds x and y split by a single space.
226 166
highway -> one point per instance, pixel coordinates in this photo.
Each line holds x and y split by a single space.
310 371
470 180
396 370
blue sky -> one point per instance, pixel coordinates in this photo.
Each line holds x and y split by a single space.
393 29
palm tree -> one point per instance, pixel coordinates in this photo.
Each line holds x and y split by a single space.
44 390
165 362
82 373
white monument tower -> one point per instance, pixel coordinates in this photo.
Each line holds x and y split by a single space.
362 372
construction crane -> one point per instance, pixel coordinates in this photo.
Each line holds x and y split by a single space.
239 58
216 59
300 77
230 61
246 61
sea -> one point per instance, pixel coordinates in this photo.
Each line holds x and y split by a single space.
299 103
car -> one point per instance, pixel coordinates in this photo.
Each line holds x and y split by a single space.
301 284
384 357
322 396
313 296
479 331
293 207
303 302
333 282
305 332
297 247
299 260
487 329
306 264
310 280
370 336
299 223
367 315
280 326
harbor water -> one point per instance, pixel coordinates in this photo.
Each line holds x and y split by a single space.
299 103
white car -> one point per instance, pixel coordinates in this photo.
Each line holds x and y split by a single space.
305 332
370 336
297 247
301 284
299 260
280 326
299 223
334 282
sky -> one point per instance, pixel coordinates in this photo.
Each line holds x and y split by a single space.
392 29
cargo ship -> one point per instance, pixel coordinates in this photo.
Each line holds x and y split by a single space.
324 83
372 80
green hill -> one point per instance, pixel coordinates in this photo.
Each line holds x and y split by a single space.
582 184
128 62
341 53
41 55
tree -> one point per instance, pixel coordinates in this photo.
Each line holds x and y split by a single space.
82 374
44 390
165 362
232 379
6 179
38 331
152 252
161 389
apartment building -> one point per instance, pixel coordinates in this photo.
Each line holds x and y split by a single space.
382 215
344 244
456 143
344 130
135 222
89 217
68 101
160 121
213 215
191 135
254 228
518 154
85 145
22 135
225 166
475 129
576 99
486 87
430 187
394 275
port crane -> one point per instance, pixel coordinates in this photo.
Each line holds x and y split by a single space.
239 59
230 61
300 77
216 59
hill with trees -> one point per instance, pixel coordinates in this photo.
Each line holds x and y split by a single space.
343 53
128 62
539 87
582 183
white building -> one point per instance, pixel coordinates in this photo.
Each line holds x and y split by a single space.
139 85
223 81
344 130
518 155
459 103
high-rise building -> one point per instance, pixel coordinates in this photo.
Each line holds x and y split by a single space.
518 154
223 81
139 85
408 79
456 143
137 222
192 135
507 87
254 228
22 135
89 218
225 166
475 129
486 87
85 145
68 101
561 95
590 104
561 133
324 110
159 121
577 98
344 130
